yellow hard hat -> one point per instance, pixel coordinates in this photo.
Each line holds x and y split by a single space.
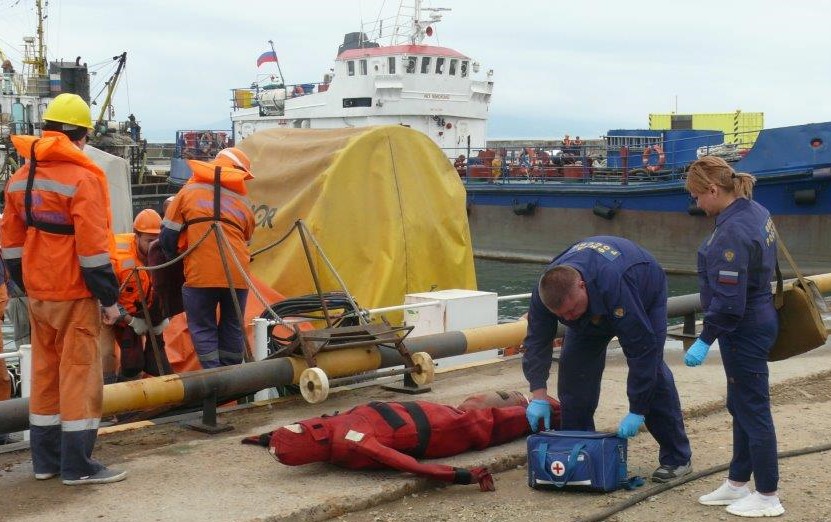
148 221
69 108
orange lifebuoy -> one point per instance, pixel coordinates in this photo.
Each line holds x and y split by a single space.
662 158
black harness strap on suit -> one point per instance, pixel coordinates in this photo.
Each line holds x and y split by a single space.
388 414
422 424
217 207
422 427
217 188
53 228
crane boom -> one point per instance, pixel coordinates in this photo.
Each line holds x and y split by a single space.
111 84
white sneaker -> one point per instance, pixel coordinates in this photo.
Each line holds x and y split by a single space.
757 505
724 495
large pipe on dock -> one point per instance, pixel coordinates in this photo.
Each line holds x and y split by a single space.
239 380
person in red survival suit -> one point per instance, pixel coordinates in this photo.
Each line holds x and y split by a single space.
393 435
132 331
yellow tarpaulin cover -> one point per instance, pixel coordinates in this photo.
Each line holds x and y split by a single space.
384 203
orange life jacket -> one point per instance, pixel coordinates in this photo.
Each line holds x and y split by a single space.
193 211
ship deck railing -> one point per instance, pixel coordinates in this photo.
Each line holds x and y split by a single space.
201 144
629 159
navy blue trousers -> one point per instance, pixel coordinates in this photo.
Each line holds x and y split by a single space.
216 344
582 361
744 354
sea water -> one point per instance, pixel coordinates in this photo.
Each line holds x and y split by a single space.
511 278
507 278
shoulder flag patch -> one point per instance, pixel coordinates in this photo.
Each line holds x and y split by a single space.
728 277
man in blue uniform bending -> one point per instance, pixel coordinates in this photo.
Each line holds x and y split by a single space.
599 288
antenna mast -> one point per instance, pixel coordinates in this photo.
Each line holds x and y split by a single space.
282 80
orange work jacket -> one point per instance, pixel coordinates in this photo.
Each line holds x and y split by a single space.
69 229
192 212
124 259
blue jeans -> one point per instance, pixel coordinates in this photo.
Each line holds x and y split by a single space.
216 344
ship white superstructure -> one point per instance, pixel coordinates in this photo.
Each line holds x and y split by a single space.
436 90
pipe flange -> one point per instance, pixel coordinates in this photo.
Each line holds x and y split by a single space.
314 385
424 372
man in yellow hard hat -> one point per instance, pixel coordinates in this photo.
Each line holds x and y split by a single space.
56 241
132 331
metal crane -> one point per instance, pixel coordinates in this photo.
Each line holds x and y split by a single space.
111 84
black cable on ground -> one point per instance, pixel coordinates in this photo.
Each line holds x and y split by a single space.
643 495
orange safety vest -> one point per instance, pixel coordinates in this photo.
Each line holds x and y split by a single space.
193 211
125 258
65 224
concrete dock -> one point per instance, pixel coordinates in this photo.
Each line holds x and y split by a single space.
178 474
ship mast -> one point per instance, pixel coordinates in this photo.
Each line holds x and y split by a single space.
279 70
416 31
38 61
419 28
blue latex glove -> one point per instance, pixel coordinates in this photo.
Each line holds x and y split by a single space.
630 425
697 353
537 410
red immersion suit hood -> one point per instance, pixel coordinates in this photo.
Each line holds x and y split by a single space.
302 443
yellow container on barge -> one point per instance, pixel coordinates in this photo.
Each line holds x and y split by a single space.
741 128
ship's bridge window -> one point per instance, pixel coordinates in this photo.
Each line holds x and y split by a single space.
425 65
464 68
391 65
411 64
454 63
350 68
439 65
363 67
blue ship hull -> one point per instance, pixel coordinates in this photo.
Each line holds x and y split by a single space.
526 220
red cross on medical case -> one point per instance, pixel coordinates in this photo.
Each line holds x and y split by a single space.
586 460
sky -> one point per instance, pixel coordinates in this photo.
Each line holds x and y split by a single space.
576 67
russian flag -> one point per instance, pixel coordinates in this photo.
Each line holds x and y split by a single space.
268 56
728 277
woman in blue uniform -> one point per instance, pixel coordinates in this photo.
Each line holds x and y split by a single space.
735 267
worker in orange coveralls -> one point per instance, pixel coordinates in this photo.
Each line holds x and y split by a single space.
56 241
132 332
216 193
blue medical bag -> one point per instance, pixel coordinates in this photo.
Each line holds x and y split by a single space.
585 460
